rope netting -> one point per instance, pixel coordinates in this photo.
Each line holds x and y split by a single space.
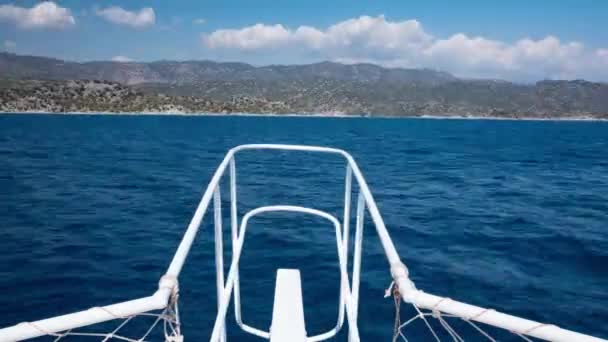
163 325
439 326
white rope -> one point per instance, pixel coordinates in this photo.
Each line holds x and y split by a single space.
398 326
169 316
481 331
427 323
524 337
117 328
436 313
60 337
41 329
447 327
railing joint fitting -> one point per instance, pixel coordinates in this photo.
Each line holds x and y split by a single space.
405 285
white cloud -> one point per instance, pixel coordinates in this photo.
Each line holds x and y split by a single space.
363 33
376 33
526 58
602 54
46 14
258 36
136 19
199 21
9 45
462 50
121 59
406 44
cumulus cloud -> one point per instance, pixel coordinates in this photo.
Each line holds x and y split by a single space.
135 19
199 21
121 59
369 33
9 45
544 58
46 14
257 36
602 54
406 44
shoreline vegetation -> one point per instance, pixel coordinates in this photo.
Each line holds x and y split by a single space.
315 115
40 84
111 98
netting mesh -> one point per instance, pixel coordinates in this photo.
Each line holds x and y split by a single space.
439 326
163 325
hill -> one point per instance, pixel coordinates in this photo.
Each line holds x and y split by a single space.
46 84
192 72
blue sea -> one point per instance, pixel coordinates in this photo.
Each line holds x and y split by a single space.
511 215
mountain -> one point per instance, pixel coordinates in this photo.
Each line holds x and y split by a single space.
46 84
30 67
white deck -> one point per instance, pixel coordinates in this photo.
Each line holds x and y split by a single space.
288 313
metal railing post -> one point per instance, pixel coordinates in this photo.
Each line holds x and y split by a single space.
219 251
234 221
345 233
357 255
347 197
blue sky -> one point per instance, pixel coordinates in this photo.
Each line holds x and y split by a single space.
518 40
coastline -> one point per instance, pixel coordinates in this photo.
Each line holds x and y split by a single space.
315 115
